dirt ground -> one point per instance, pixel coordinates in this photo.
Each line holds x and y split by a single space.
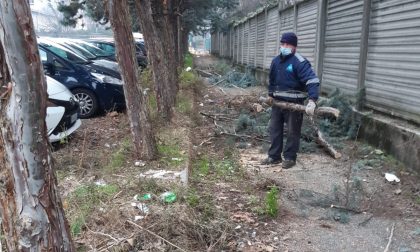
308 223
224 205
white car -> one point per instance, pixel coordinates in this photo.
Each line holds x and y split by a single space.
62 111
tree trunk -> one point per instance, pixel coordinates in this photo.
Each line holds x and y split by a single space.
179 33
184 41
160 46
137 109
173 11
163 17
30 206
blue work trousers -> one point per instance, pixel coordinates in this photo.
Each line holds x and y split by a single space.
294 125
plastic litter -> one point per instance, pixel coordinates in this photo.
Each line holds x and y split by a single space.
168 197
144 197
160 174
100 183
138 217
166 175
391 177
143 208
254 234
140 163
188 69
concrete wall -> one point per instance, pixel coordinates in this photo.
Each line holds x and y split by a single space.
395 137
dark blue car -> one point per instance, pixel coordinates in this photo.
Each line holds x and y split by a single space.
109 47
90 84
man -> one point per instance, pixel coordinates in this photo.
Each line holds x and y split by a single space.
291 76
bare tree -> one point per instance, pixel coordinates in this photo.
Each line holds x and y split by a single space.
31 210
137 109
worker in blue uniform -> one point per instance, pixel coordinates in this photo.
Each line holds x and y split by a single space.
292 80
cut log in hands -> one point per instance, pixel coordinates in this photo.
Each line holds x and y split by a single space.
301 108
319 138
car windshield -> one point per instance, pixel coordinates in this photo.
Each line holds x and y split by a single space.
65 53
80 50
107 47
93 49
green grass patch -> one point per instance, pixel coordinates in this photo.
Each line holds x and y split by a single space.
271 205
61 174
86 198
225 167
188 60
146 81
203 203
146 78
171 154
118 158
215 169
187 79
202 166
153 106
183 104
255 205
77 225
192 198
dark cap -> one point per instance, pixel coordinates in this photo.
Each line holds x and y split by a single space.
289 38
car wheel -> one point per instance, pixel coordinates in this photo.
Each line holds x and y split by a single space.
87 102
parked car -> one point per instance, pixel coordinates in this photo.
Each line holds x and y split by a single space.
99 53
106 67
62 111
94 88
109 46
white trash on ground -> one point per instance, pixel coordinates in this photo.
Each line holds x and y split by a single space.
166 175
391 177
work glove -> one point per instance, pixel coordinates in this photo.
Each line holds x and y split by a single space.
269 101
310 108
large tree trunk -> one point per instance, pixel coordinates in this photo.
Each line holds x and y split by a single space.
31 210
160 46
178 31
184 41
173 17
167 28
179 38
137 109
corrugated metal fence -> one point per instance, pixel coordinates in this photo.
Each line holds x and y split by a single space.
352 44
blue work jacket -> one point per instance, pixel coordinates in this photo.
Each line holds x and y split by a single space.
291 75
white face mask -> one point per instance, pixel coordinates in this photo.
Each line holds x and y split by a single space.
285 51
